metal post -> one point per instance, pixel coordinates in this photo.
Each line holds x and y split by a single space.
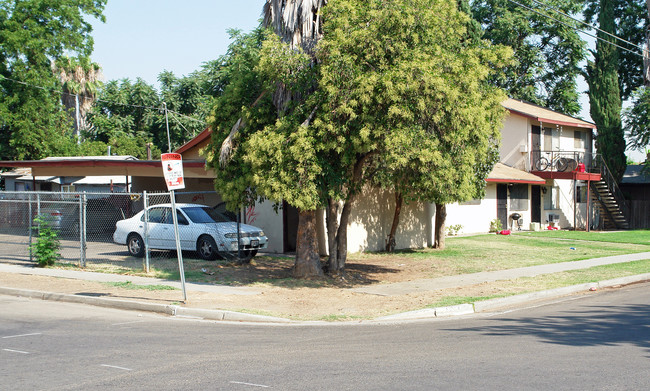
239 257
82 229
169 143
178 244
30 227
145 202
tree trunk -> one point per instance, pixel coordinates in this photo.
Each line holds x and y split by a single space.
332 220
307 259
441 216
390 243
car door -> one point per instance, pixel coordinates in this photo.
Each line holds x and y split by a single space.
161 229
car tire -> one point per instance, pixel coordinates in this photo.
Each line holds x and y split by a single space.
135 245
207 248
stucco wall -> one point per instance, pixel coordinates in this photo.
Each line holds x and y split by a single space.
372 217
474 218
515 135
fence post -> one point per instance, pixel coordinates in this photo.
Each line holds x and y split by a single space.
29 226
82 230
145 203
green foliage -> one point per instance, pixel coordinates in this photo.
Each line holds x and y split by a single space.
628 20
637 119
454 229
47 245
604 93
33 33
547 52
402 82
495 225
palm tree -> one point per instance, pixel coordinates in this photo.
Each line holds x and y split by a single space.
298 23
81 80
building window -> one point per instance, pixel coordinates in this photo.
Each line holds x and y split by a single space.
579 139
551 139
551 197
581 194
67 188
519 197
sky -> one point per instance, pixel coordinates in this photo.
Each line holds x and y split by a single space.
142 38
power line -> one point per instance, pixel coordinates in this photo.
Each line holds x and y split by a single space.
587 24
574 27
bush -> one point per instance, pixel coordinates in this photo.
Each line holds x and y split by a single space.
47 245
495 225
453 230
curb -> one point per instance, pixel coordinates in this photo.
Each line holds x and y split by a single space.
165 309
231 316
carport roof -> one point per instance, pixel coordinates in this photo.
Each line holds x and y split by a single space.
104 165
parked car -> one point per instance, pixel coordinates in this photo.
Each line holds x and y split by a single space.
200 227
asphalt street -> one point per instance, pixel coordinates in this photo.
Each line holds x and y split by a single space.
597 341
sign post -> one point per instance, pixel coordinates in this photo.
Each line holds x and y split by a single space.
172 164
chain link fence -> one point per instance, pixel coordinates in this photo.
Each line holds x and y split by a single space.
116 230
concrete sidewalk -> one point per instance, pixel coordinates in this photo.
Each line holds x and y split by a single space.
379 289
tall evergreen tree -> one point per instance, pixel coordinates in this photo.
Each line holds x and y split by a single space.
605 94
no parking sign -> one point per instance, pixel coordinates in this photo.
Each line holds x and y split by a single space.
172 164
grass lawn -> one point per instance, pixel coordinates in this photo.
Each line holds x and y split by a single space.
471 254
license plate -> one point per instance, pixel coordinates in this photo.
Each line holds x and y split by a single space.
255 243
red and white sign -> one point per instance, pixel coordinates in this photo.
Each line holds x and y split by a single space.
172 164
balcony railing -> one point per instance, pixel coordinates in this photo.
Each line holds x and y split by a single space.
563 161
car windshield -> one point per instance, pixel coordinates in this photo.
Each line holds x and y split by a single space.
204 215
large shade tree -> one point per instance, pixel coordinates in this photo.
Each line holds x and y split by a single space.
385 72
33 33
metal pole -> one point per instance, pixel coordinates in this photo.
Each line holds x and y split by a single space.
29 225
145 202
239 257
178 244
82 229
169 143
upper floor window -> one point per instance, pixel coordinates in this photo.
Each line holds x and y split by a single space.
551 139
579 140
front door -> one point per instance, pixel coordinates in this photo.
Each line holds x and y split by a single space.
502 204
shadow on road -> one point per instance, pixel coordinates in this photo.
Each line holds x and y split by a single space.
594 326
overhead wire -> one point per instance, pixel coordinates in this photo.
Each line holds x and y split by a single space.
574 27
587 24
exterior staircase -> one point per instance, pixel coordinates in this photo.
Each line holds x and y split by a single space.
614 212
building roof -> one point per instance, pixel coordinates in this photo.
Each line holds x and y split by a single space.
505 174
635 175
544 115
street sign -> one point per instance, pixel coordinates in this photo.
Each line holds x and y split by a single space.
172 164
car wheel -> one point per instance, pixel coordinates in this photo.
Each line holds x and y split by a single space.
135 245
207 248
251 253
